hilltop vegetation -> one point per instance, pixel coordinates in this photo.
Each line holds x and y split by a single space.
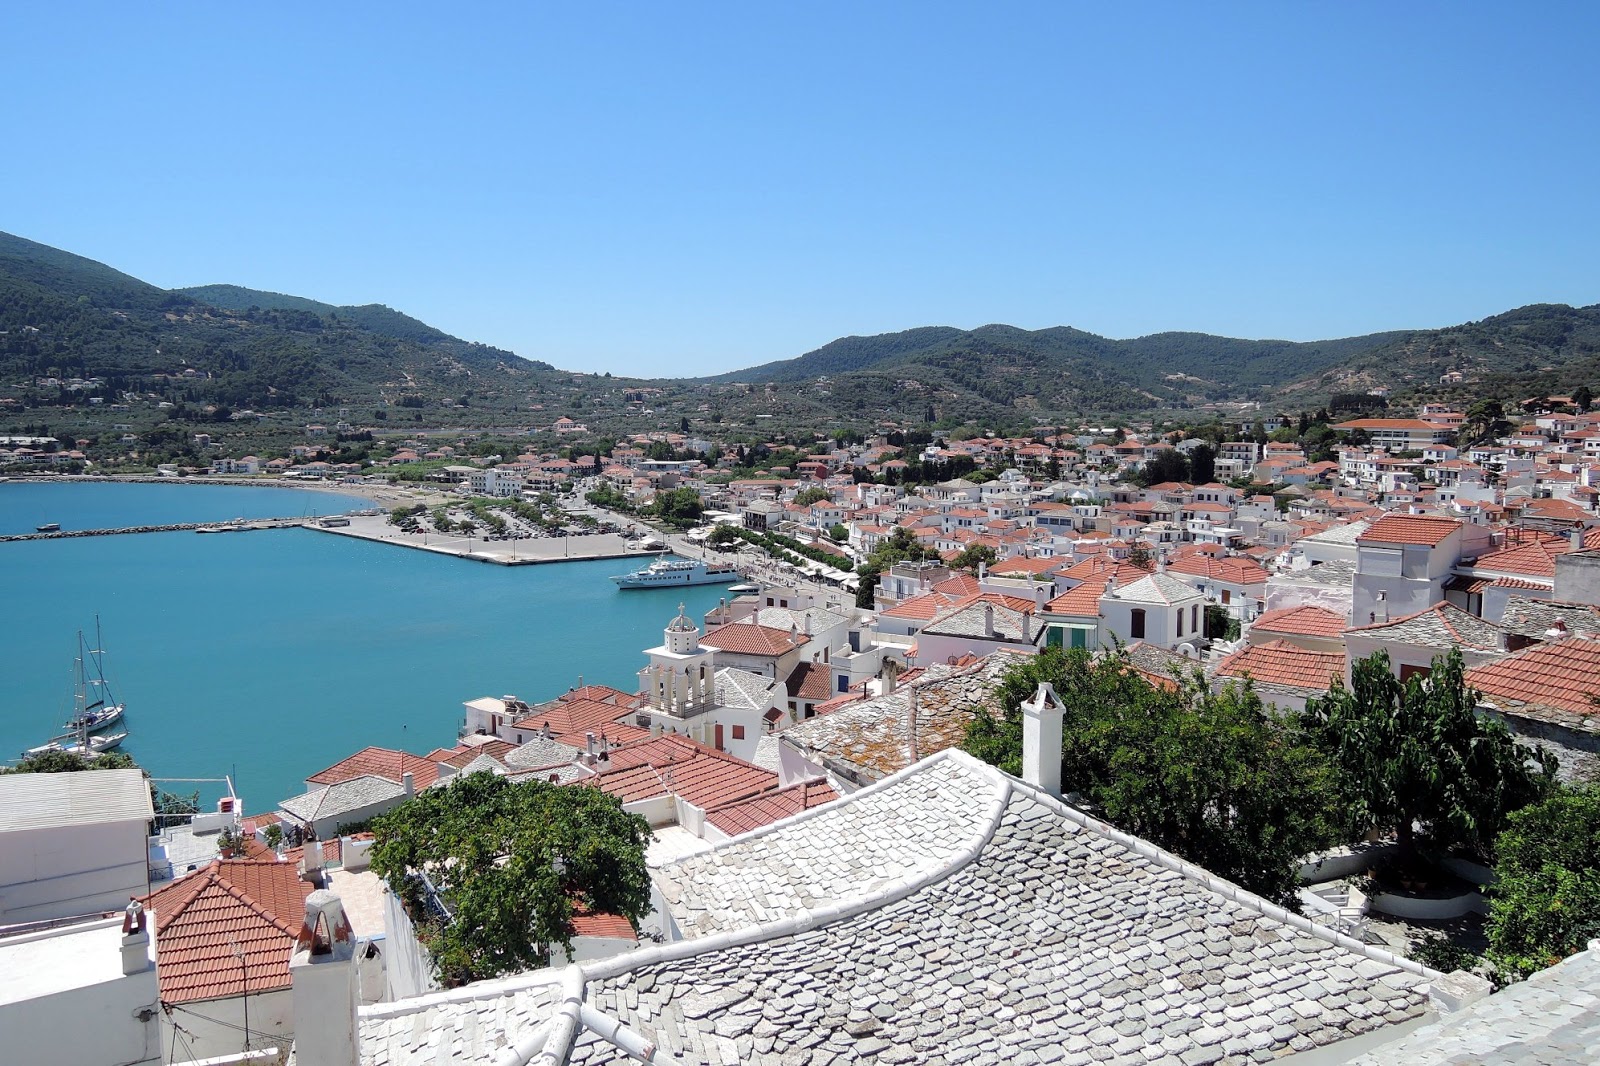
230 347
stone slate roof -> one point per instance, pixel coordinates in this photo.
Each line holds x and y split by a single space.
743 688
873 738
540 752
1551 1019
1532 618
1442 626
341 798
1040 935
1157 588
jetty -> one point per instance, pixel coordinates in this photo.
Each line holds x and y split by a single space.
174 527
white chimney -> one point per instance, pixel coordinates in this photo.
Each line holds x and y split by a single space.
135 940
408 783
1576 541
1041 740
988 619
588 744
323 998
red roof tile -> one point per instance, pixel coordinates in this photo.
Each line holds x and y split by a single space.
1278 662
811 682
745 638
1563 675
257 907
741 816
386 763
1306 620
1234 570
706 778
567 717
1409 529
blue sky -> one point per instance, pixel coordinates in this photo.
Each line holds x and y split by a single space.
673 189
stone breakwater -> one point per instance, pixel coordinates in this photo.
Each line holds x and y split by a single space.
175 527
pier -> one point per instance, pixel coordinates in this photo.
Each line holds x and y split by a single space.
175 527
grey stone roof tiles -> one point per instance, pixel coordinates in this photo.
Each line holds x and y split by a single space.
540 752
846 851
1532 618
1551 1019
1057 943
1012 930
743 688
342 798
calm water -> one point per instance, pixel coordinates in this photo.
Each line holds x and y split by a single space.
269 655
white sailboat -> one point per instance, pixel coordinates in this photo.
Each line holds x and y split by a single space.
81 741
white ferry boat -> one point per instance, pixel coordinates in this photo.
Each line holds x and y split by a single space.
675 573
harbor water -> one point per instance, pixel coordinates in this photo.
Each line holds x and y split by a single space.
269 655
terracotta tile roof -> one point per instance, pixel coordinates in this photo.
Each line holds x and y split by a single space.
743 638
922 608
386 763
496 749
810 682
1532 557
1390 423
1234 570
1550 682
703 776
741 816
603 693
1409 529
1442 626
258 906
1278 662
572 717
607 926
958 585
1306 620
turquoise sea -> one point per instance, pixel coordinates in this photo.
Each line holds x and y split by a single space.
270 655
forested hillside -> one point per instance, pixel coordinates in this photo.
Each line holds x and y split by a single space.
62 315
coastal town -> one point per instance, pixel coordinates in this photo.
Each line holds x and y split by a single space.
823 851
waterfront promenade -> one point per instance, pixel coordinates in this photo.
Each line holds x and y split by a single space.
528 552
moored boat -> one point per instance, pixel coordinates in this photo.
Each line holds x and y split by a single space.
676 573
48 527
78 745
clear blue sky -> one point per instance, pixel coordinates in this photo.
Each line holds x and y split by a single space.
686 188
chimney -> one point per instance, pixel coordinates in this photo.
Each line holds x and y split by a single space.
323 997
588 744
1027 626
135 940
408 783
1557 631
1111 587
1576 540
311 862
983 569
988 619
1041 740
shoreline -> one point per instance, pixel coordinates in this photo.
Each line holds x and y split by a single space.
365 490
531 552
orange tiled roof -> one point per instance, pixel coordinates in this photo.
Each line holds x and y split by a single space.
1278 662
745 638
921 608
1562 675
386 763
810 682
1306 620
568 716
741 816
700 774
258 906
1409 529
1234 570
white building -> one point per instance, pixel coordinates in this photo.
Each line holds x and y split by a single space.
82 994
72 844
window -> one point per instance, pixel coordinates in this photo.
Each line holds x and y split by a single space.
738 732
1194 618
1227 596
1136 628
1408 671
1180 621
1052 637
1080 638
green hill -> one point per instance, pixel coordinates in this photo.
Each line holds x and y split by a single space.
62 315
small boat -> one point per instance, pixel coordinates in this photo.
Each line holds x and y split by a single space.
744 588
48 527
74 745
84 736
95 717
675 573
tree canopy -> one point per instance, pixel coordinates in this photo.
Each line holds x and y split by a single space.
1546 899
512 863
1214 777
1417 752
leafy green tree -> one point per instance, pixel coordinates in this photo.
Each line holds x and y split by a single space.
899 546
512 863
972 555
1168 464
679 507
1583 398
807 497
1216 778
1416 752
838 533
1203 464
723 535
1546 899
